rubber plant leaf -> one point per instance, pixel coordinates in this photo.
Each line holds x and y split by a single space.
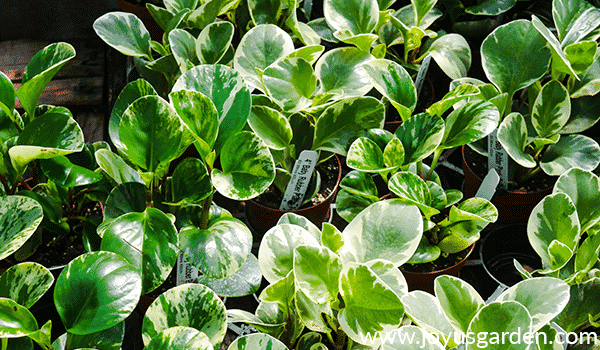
180 338
340 72
583 187
19 218
257 341
507 316
124 32
245 281
357 16
214 41
291 82
393 81
25 283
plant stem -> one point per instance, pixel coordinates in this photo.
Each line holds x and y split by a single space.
436 156
420 169
4 343
69 342
529 174
205 216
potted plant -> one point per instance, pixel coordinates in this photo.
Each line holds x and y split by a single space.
44 157
458 315
562 229
398 160
330 288
544 102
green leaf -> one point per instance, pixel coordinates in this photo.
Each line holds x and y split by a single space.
64 173
583 26
47 136
7 95
582 304
95 291
108 339
271 126
544 298
257 341
459 300
265 11
150 132
425 310
420 135
228 92
341 123
357 191
130 93
558 54
340 72
583 187
213 42
25 283
317 272
16 320
371 235
295 219
469 123
180 338
19 218
500 317
357 16
124 32
553 219
218 251
362 41
503 51
332 237
457 94
200 116
148 241
570 151
425 252
371 305
245 281
551 110
276 251
291 83
452 54
191 182
365 155
189 305
588 83
393 81
413 190
125 198
116 168
512 134
421 8
39 71
491 7
259 47
248 168
183 47
477 209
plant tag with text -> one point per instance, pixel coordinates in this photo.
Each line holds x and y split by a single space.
498 159
301 174
186 272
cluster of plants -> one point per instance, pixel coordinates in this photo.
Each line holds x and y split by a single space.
228 100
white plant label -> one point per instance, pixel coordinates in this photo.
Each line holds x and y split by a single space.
301 174
488 186
498 159
186 272
422 73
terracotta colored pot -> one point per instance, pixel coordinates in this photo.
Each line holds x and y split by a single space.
425 280
156 32
262 218
513 206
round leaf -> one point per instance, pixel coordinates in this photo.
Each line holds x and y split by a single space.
365 155
291 82
341 72
220 250
244 281
452 54
357 16
512 134
571 151
509 316
25 283
183 47
213 42
469 123
125 198
393 81
271 126
95 291
64 173
189 305
420 135
19 218
459 300
148 241
317 272
259 47
248 168
502 54
226 89
190 182
371 235
426 311
551 109
583 187
258 341
15 320
124 32
413 190
116 168
180 338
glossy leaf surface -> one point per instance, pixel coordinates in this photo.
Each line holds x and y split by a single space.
341 72
583 187
570 151
25 283
180 338
125 32
257 341
393 81
19 218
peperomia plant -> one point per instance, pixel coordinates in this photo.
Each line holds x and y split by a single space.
563 230
559 83
398 159
458 315
193 36
208 107
332 288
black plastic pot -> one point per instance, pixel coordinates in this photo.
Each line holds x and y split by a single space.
500 247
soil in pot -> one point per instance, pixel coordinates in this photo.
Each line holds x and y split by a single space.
515 204
261 212
422 276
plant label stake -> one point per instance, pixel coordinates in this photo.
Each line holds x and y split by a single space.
498 159
186 272
488 186
301 174
422 73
